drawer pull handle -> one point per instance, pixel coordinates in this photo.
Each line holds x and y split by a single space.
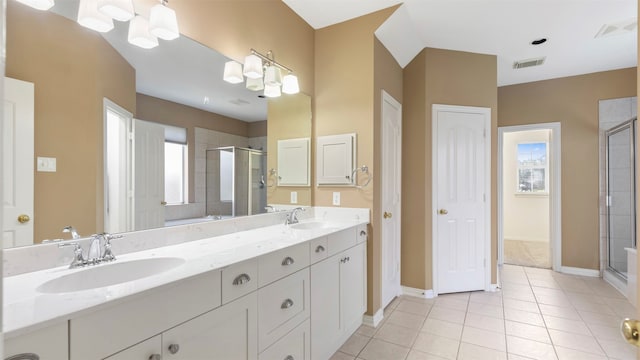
319 249
289 357
25 356
345 259
155 357
363 233
286 304
241 279
174 348
287 261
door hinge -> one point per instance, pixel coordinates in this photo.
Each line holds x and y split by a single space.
484 197
484 133
130 135
484 262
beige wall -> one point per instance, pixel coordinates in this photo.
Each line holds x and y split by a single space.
438 76
344 103
72 69
573 102
526 216
167 112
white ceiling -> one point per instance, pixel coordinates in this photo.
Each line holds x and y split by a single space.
504 28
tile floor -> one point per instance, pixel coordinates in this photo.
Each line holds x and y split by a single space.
538 314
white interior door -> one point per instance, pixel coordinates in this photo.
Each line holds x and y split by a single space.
18 162
149 175
391 180
461 198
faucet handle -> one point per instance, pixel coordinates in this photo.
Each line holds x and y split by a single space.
78 258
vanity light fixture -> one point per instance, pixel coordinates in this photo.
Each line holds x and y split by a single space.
38 4
90 17
139 34
163 22
121 10
255 65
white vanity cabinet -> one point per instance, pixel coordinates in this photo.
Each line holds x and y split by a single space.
47 343
338 300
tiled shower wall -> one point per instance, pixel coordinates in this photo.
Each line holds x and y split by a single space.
611 113
208 139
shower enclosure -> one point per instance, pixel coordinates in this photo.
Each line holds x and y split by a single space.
620 195
235 182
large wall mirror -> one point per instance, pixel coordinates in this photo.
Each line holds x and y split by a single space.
195 138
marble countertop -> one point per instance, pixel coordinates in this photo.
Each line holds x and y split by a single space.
26 309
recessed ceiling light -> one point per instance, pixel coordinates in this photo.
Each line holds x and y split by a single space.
539 41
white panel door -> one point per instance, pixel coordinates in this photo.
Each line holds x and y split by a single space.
391 181
17 150
149 175
459 202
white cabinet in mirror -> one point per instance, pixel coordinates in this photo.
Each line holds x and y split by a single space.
293 162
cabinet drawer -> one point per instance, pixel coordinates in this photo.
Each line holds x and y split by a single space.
239 280
318 249
362 233
48 343
294 346
341 241
282 306
281 263
111 329
144 350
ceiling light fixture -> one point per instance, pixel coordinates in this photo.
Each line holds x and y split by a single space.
90 17
38 4
256 66
163 22
139 34
121 10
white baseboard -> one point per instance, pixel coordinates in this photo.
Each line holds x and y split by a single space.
424 294
374 320
579 271
616 282
492 288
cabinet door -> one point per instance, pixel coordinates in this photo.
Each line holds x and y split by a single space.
229 332
353 287
146 350
335 157
325 308
48 343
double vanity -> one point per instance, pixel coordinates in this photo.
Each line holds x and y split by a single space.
243 288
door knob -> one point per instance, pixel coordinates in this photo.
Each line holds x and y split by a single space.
443 212
629 330
24 218
387 215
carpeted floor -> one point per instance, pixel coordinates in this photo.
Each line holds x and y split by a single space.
527 253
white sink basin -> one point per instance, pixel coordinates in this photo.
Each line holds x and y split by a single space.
109 274
312 225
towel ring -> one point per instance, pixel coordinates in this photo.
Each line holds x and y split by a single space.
365 170
272 172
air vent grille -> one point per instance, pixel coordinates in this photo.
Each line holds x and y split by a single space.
528 63
619 28
239 102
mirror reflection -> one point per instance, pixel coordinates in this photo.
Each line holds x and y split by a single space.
90 90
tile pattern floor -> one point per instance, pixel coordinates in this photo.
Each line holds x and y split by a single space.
538 314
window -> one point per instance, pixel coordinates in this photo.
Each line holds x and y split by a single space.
533 175
175 165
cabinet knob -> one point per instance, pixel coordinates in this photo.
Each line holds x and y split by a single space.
155 357
24 356
241 279
319 248
174 348
289 357
287 261
286 304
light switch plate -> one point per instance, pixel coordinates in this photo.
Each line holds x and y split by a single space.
336 198
294 197
46 164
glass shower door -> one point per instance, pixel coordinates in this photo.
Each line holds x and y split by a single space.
620 185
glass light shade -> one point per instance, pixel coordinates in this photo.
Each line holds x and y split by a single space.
121 10
90 17
272 91
233 72
290 84
272 76
38 4
255 84
163 23
139 34
253 67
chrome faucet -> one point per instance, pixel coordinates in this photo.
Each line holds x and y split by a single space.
292 218
72 230
99 251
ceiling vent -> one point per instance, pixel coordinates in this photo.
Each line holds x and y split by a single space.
239 102
619 28
528 63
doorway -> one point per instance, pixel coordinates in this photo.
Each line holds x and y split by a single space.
529 195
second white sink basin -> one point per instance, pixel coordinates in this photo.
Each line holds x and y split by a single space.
109 274
312 225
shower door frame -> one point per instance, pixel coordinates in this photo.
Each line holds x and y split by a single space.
631 125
